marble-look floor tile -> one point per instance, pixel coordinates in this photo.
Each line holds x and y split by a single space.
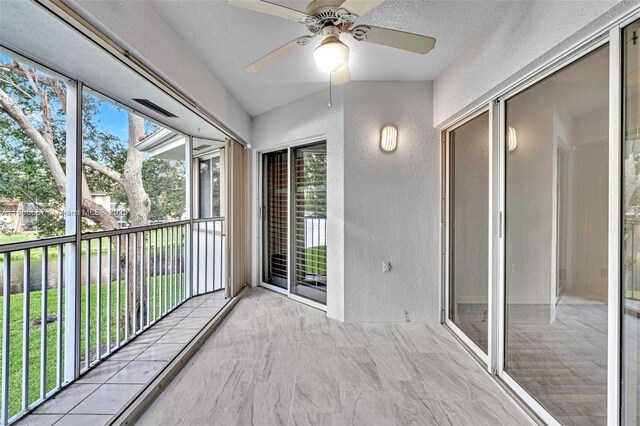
107 399
178 335
160 352
84 420
129 352
103 371
310 419
274 361
364 408
40 420
67 399
480 413
138 372
268 403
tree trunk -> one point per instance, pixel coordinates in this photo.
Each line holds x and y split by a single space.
139 207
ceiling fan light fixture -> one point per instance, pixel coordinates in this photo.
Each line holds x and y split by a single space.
331 55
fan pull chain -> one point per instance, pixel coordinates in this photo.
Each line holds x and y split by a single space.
330 88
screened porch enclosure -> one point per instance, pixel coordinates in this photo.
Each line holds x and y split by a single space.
126 230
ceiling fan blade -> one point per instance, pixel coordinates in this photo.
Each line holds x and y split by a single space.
393 38
281 51
341 76
360 7
270 9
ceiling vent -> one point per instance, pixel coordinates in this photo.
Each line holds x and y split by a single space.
201 147
154 107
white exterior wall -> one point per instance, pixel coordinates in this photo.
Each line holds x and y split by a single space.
379 205
392 207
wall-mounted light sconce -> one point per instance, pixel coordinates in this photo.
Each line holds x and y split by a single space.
389 138
512 139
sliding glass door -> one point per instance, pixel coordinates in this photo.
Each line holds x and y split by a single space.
309 181
294 222
556 240
468 146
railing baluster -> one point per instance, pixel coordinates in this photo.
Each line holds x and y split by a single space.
155 273
6 310
134 303
109 277
126 289
98 297
26 306
175 267
166 270
222 253
118 287
213 260
87 314
161 272
43 323
147 281
174 232
206 256
197 280
193 251
59 312
171 272
182 281
143 281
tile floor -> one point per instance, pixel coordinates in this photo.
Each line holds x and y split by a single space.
274 361
99 394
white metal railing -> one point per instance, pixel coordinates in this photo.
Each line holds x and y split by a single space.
128 280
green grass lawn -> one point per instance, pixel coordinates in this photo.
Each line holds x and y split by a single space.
316 260
16 238
16 335
632 294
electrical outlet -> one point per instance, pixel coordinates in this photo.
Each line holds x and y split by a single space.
386 267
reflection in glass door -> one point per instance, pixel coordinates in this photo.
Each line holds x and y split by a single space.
556 240
468 228
275 223
631 220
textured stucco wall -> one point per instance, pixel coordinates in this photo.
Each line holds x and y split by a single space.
309 119
524 35
153 40
382 207
392 208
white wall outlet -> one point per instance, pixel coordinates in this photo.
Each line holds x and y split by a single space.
386 267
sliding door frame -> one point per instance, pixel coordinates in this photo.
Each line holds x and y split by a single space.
261 201
611 34
483 357
289 147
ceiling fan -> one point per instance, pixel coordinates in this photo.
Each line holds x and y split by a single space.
329 19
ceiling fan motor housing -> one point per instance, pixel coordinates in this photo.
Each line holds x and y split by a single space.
329 16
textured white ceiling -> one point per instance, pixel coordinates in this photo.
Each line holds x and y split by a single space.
226 39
